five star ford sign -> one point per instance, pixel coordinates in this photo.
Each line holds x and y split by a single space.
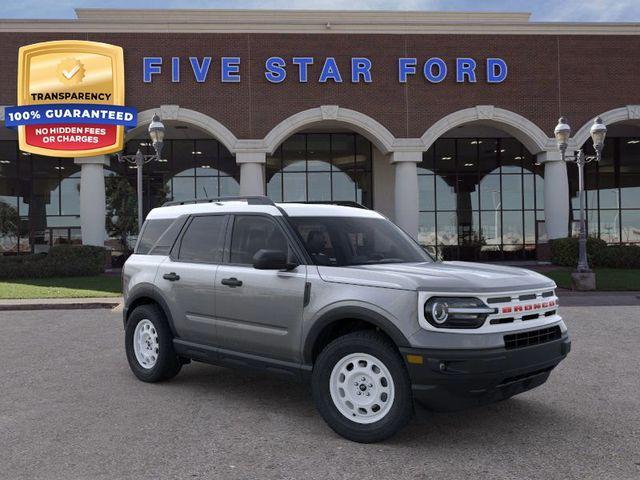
71 99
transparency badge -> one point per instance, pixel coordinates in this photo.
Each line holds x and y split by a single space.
70 99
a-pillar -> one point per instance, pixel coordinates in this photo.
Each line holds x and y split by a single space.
93 209
406 190
556 194
251 172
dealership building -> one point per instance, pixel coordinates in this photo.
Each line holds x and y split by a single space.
441 121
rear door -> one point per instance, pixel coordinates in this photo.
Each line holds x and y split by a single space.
259 311
187 277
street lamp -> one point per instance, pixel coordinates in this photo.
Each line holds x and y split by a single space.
156 133
562 133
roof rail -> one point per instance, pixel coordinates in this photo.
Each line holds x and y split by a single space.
251 200
341 203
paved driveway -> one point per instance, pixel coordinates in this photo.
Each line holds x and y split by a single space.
70 408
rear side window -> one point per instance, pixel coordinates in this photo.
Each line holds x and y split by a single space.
168 238
151 232
203 241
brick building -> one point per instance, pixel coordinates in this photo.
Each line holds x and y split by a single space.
442 121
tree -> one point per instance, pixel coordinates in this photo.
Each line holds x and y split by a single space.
9 221
122 210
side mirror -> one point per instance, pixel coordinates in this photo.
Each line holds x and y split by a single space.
271 260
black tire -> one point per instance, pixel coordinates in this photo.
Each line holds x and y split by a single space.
378 346
167 364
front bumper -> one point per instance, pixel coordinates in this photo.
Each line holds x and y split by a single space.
448 380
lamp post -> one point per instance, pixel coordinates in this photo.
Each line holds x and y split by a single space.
156 133
562 133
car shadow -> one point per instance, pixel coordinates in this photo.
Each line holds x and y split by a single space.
512 421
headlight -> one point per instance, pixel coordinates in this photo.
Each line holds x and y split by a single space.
456 312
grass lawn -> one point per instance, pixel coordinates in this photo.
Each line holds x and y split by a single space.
606 278
69 287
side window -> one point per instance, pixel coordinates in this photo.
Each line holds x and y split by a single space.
204 240
252 233
150 233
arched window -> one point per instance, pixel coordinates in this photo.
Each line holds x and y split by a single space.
321 167
480 198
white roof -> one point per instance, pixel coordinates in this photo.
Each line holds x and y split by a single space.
241 206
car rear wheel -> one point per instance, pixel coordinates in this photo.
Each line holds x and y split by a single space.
149 345
361 387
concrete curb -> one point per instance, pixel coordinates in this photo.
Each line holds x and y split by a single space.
60 304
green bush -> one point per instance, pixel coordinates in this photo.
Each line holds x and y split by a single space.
564 252
61 261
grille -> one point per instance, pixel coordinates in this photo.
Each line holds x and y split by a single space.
535 337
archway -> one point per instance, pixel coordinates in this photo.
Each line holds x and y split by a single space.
329 154
612 186
481 194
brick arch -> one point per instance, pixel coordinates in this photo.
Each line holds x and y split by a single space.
374 131
527 132
192 117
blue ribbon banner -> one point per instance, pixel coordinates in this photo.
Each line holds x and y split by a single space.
70 113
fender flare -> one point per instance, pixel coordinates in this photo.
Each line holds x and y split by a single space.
147 290
351 312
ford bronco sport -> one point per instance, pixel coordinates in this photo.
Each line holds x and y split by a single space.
339 296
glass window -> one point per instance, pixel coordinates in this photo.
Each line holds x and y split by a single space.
490 198
512 192
182 163
630 190
206 187
151 232
630 222
294 153
321 167
445 193
426 189
609 225
445 156
320 186
203 240
342 241
319 153
252 233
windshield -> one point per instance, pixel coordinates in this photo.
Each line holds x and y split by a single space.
344 241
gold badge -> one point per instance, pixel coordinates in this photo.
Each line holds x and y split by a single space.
70 72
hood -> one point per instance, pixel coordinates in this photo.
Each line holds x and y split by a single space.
439 276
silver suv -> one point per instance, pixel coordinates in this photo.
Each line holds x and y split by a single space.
338 296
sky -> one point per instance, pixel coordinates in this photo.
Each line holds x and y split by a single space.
542 10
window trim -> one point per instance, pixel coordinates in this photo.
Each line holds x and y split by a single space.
174 255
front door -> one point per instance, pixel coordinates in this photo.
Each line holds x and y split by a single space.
187 279
259 311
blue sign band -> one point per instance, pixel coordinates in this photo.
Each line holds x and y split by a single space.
70 113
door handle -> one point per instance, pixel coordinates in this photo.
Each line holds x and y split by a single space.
172 277
231 282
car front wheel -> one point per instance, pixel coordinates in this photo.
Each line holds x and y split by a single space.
361 387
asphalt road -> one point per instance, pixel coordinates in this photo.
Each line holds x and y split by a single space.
71 409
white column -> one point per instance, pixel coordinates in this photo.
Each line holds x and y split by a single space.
251 172
93 208
406 190
556 194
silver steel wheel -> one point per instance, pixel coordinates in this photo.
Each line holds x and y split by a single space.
361 388
145 344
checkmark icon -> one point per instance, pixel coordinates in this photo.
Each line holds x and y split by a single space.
71 73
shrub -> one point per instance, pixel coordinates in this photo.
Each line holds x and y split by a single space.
564 252
61 261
